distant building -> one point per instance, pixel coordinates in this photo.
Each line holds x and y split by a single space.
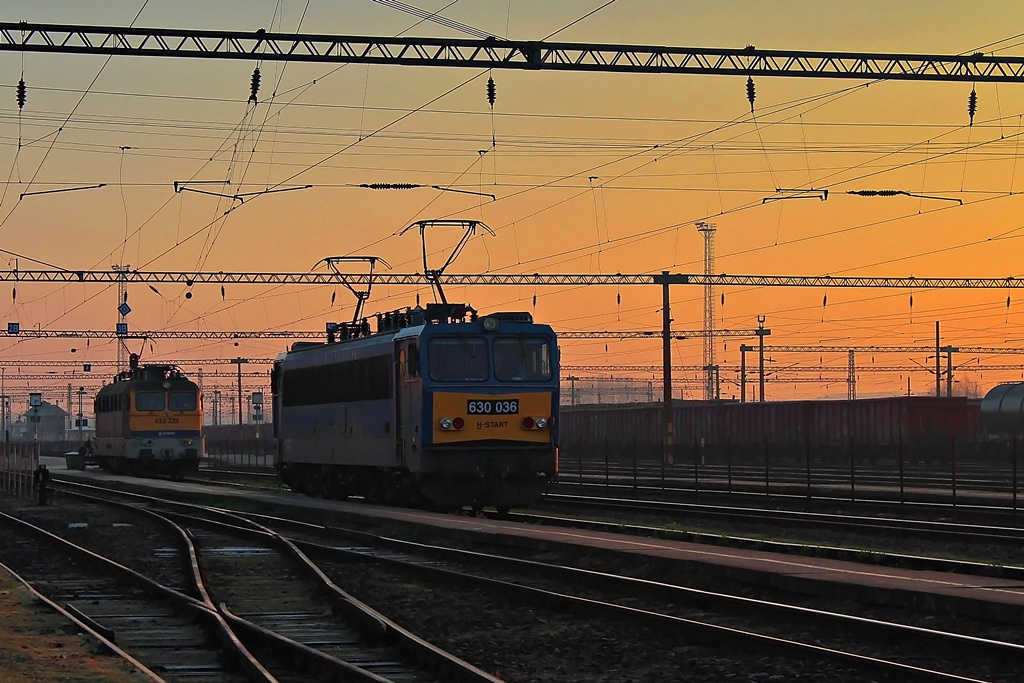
45 423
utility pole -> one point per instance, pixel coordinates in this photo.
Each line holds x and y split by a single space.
743 373
238 362
666 348
708 231
761 332
949 369
216 406
122 311
938 359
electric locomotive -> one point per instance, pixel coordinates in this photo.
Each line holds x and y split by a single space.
440 407
149 421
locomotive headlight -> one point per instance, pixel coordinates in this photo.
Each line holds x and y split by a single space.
446 423
186 442
541 422
147 442
458 423
490 324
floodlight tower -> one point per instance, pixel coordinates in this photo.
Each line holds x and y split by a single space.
708 231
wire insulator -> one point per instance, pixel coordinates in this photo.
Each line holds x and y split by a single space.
254 86
876 193
390 186
492 92
21 93
972 104
751 95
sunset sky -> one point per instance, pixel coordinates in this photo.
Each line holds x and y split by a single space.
593 173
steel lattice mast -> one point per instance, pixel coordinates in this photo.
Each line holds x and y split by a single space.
494 53
497 279
320 334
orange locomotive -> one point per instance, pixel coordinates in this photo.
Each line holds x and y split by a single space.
149 421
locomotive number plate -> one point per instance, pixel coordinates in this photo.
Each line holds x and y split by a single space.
490 407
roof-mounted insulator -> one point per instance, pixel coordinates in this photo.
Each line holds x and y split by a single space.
972 104
751 95
254 87
21 93
492 92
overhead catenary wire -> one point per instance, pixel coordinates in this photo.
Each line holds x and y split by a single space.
180 241
42 161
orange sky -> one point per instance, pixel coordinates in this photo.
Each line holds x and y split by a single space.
189 119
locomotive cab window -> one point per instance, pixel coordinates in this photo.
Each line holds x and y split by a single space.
181 400
522 359
149 400
458 359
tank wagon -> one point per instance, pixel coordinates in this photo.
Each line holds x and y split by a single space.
439 407
1002 410
148 421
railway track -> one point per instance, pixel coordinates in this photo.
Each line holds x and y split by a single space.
349 642
863 535
658 606
171 634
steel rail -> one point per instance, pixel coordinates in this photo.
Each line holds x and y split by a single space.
701 629
374 625
229 642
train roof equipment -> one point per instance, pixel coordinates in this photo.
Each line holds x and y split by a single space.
390 322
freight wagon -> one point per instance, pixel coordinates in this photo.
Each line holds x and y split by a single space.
872 427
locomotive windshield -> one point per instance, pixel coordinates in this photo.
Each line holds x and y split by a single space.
181 400
522 359
458 359
149 400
